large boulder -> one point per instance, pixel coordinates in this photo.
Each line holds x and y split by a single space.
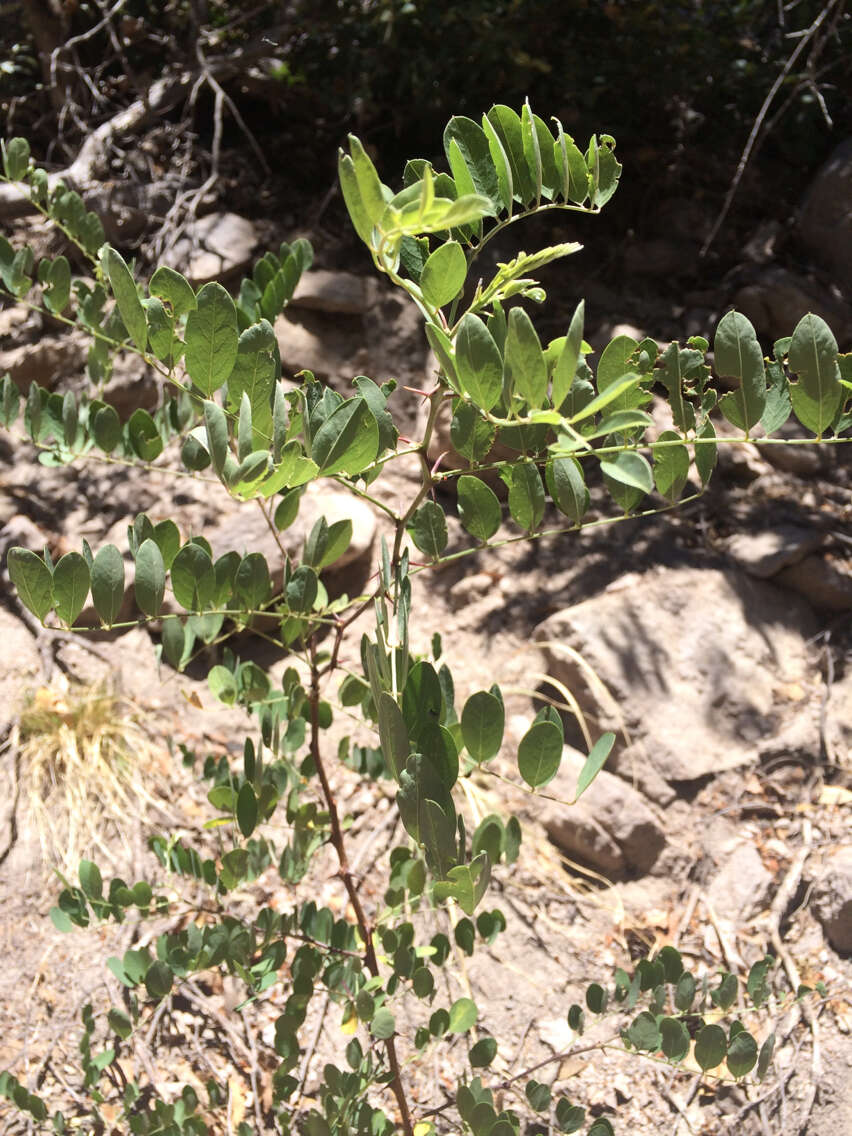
689 665
825 221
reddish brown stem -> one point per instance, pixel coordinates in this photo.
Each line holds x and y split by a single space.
345 873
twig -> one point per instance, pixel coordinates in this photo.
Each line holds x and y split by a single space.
807 36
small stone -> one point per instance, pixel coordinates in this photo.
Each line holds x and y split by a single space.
214 247
341 292
20 667
825 584
741 886
470 589
832 899
611 827
764 554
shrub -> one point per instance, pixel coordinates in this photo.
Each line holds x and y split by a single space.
224 409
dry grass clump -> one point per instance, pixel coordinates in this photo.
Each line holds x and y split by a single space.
82 754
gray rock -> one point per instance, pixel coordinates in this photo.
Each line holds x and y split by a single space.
827 584
313 341
20 667
832 898
775 299
741 886
50 358
336 292
825 221
611 828
213 247
764 554
688 661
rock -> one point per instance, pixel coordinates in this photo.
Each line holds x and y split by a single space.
741 886
48 359
825 220
213 247
832 898
690 659
827 584
20 667
19 531
336 292
658 256
244 529
469 589
764 554
611 828
312 341
742 461
775 299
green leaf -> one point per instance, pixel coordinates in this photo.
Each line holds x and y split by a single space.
539 753
106 429
393 734
355 206
167 284
526 494
478 363
644 1033
812 355
144 435
150 577
443 274
469 156
483 1053
383 1025
742 1054
479 509
90 879
569 1117
127 298
567 487
252 584
757 983
463 1015
571 166
725 993
538 1096
33 581
193 578
566 365
594 763
167 536
525 369
120 1023
367 180
482 725
710 1047
246 810
422 701
671 466
630 469
255 372
211 339
348 440
16 158
57 285
174 643
706 453
470 433
684 992
428 529
301 591
70 586
221 682
108 583
675 1039
158 980
738 356
507 127
765 1057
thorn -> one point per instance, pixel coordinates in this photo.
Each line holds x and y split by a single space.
438 461
422 393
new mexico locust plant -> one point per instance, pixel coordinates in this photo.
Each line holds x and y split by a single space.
224 413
